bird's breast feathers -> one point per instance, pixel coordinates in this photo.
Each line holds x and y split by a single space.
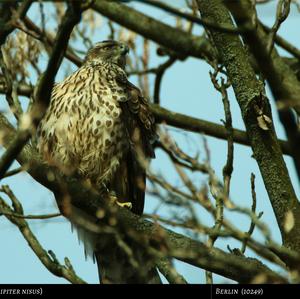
83 127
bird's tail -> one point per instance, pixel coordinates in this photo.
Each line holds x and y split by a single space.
118 265
119 261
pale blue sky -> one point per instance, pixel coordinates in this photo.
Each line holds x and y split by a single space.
186 89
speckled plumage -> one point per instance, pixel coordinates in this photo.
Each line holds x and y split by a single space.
90 125
99 126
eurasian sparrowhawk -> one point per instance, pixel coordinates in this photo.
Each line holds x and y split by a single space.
99 126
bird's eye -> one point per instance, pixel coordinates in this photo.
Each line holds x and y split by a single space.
106 48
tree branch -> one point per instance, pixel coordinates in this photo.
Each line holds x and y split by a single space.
192 18
66 271
165 35
44 87
283 43
178 246
45 37
283 81
6 18
182 121
196 125
166 268
255 108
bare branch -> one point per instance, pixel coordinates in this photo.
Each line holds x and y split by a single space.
43 90
155 30
159 74
250 94
283 43
253 209
13 172
193 18
201 126
282 12
179 246
167 269
7 26
66 271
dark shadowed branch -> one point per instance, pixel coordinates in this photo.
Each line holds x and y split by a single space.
44 87
65 271
164 35
159 75
286 92
194 19
249 93
7 18
180 121
179 246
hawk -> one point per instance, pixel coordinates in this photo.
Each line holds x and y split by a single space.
99 126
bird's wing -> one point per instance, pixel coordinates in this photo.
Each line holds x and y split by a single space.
129 184
140 127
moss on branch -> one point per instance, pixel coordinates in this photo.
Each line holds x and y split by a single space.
238 268
250 94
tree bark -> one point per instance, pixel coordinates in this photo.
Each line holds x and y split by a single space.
164 241
250 94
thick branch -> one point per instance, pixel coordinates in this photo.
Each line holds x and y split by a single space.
192 18
282 79
254 106
43 92
6 17
178 246
52 265
196 125
178 120
45 37
165 35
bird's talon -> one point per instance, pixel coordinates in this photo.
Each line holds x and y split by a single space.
127 204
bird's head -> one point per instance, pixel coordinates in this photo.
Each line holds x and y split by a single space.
108 51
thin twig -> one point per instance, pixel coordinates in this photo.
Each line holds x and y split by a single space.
253 209
282 12
47 260
31 217
13 172
283 43
159 75
228 168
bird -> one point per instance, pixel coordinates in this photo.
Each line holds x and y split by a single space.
99 127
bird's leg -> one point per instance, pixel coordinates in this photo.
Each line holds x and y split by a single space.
113 198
